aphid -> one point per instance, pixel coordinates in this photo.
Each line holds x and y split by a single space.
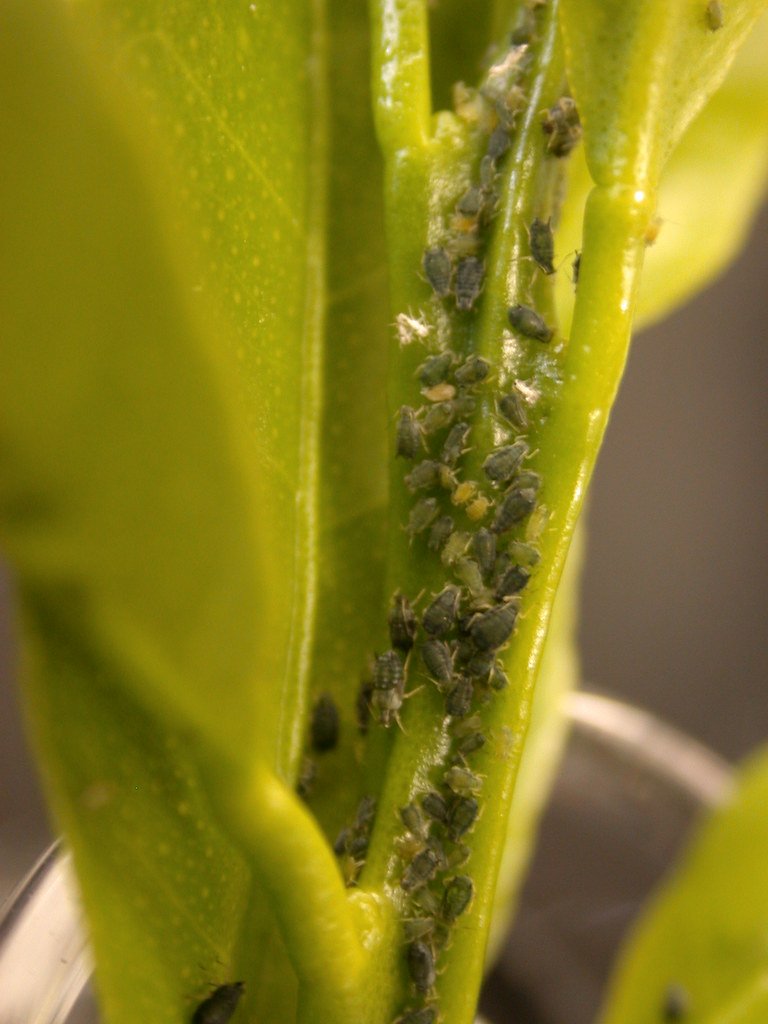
676 1004
455 443
524 554
388 671
526 321
438 416
499 143
714 15
418 927
561 123
413 819
457 897
576 268
528 481
438 270
424 474
440 616
484 550
421 516
469 573
220 1005
472 371
343 839
512 582
435 369
438 660
440 533
536 524
516 505
358 846
467 727
408 433
477 509
410 328
458 701
470 273
492 628
462 815
459 856
439 392
470 744
324 727
421 870
498 678
455 547
480 664
488 173
464 404
502 464
464 492
427 1015
421 965
366 812
307 776
542 244
434 805
462 781
402 623
525 28
512 408
472 202
509 106
652 231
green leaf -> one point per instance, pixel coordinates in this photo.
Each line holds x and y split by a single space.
705 933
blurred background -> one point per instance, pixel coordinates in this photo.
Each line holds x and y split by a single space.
675 591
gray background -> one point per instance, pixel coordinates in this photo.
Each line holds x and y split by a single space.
675 591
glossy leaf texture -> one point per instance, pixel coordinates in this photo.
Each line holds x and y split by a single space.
641 71
701 946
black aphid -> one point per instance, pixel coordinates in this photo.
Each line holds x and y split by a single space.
526 321
438 416
512 582
440 533
458 701
220 1005
498 678
402 623
438 270
676 1004
462 816
388 671
455 443
480 664
434 805
484 550
421 516
424 474
435 369
491 629
502 464
421 966
512 408
514 508
413 819
438 660
470 273
542 245
421 870
470 743
499 143
427 1015
575 269
473 370
408 434
440 616
561 123
472 202
528 480
457 897
324 726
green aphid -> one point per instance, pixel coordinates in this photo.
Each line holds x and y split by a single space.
528 480
563 126
516 506
455 547
484 550
491 629
714 15
421 966
542 244
526 321
512 408
456 443
413 819
462 816
470 744
408 434
438 270
440 532
498 678
440 616
438 660
421 516
305 783
402 623
462 781
473 370
421 870
470 274
467 726
458 856
418 927
458 701
435 369
468 571
219 1007
434 805
438 417
524 554
324 724
424 474
502 464
457 897
512 581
